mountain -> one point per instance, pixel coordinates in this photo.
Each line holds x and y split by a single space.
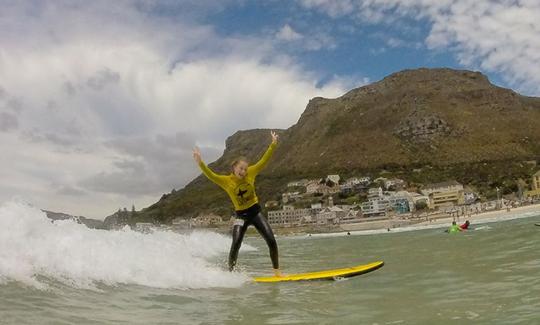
90 223
423 125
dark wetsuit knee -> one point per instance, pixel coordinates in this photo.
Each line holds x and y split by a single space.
263 227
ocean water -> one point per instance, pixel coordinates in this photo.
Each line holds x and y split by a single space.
64 273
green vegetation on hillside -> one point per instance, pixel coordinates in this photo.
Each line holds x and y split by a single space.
423 126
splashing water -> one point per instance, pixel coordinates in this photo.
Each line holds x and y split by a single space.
33 248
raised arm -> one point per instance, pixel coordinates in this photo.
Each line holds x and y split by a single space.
264 160
216 178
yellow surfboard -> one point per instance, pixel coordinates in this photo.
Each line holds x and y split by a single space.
324 275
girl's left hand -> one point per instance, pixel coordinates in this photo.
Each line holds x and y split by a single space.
274 136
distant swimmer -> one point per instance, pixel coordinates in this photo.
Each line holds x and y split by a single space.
348 233
454 228
465 226
240 186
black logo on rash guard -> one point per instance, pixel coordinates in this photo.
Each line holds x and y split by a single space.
241 193
244 193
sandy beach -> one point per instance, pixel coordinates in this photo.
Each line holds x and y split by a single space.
433 222
488 216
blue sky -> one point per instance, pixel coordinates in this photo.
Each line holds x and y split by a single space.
358 49
102 102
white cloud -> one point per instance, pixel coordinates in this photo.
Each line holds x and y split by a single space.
498 36
332 8
286 33
315 41
104 113
320 41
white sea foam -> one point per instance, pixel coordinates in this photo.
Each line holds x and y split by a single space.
32 247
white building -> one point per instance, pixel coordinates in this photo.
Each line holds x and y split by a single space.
206 220
180 223
469 197
375 207
395 182
352 181
366 180
375 192
333 178
417 197
401 201
323 189
316 208
271 204
330 215
313 186
352 216
444 194
290 196
289 216
145 227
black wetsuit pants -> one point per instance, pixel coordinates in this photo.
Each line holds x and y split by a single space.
245 218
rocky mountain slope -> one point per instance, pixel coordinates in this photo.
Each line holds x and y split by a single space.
441 123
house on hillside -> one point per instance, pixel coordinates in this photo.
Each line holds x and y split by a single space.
144 227
401 202
313 186
181 224
290 196
333 178
288 216
535 186
206 220
330 215
271 204
321 188
352 216
444 194
395 183
375 207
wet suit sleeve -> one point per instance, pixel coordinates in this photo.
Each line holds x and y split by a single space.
220 180
255 169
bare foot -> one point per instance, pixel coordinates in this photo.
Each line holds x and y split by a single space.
277 273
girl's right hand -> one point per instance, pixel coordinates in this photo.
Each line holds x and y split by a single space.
197 155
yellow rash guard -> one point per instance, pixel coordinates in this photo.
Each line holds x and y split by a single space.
241 191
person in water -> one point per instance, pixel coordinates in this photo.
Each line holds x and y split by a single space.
465 226
240 186
454 228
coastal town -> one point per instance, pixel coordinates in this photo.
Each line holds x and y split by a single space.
331 203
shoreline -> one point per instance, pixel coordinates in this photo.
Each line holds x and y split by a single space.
528 211
381 226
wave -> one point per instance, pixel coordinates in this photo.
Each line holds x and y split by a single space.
35 249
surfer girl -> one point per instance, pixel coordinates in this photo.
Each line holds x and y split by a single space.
465 226
454 228
240 186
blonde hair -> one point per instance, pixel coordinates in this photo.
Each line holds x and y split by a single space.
237 160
